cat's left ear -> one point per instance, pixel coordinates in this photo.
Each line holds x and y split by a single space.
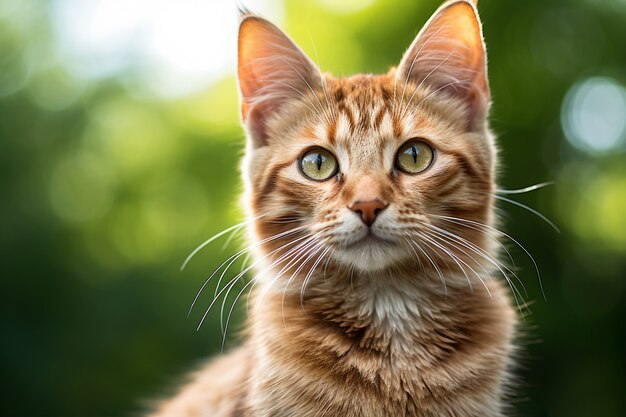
449 56
272 71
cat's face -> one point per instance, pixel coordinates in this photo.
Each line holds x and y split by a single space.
368 171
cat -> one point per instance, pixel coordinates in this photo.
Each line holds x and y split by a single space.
371 210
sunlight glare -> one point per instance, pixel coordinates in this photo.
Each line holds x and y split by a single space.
175 47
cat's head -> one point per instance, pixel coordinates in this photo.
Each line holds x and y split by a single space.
369 171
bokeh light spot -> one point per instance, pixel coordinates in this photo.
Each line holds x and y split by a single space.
593 115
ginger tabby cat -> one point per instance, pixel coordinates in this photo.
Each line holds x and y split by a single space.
371 198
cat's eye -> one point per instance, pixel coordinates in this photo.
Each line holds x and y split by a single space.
318 164
414 157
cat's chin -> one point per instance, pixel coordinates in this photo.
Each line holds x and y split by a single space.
370 255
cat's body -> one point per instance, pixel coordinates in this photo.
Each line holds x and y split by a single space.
376 291
308 367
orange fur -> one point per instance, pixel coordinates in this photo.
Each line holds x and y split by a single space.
406 317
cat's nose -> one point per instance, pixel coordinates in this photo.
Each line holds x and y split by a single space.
368 210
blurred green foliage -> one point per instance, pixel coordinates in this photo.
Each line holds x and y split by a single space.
107 188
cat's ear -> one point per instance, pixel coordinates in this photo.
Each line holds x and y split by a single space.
271 70
449 55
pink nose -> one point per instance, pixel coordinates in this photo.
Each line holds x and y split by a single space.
368 210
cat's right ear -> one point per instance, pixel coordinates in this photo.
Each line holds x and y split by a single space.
271 71
449 55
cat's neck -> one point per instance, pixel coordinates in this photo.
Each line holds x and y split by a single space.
364 345
382 312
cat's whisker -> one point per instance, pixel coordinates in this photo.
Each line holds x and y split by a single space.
219 281
408 244
302 254
292 254
232 281
230 312
428 238
477 250
514 290
452 256
245 261
217 236
443 281
525 189
450 239
252 282
221 277
530 209
491 236
310 274
295 255
238 254
231 237
465 222
271 253
304 248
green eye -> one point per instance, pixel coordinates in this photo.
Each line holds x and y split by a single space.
318 164
414 157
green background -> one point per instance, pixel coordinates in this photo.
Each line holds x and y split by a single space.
104 191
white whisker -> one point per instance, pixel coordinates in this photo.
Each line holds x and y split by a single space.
464 222
310 273
525 189
271 253
233 281
479 251
214 237
238 254
532 210
443 281
253 282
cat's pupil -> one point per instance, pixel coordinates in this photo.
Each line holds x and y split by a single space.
414 154
319 161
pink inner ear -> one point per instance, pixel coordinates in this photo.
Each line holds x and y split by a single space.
256 123
272 70
449 55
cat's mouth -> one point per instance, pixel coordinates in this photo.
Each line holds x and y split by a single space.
370 252
369 240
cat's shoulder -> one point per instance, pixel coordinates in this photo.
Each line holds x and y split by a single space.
217 389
